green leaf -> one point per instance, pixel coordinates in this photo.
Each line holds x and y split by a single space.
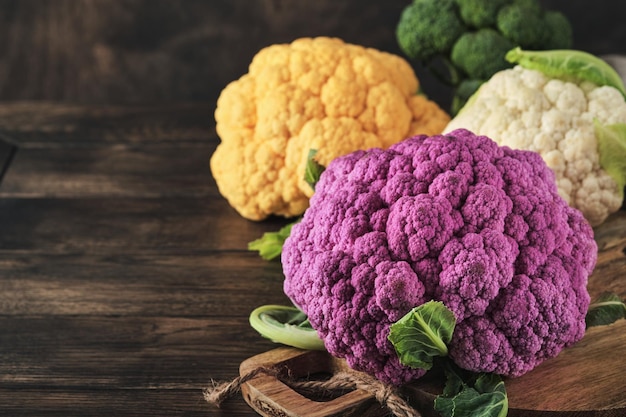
422 334
286 325
607 309
568 65
270 245
612 150
471 395
313 169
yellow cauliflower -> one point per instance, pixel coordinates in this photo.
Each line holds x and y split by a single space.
315 93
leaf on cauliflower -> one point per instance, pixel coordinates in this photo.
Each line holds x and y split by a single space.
467 395
612 150
270 245
313 169
607 309
568 64
286 325
423 334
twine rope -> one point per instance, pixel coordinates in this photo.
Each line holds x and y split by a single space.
384 394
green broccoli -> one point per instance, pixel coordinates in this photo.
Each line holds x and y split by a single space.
532 29
481 54
522 25
559 34
471 37
534 5
480 13
428 28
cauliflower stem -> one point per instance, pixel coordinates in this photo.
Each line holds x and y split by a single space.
286 325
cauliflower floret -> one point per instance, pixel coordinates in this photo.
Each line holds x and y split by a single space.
525 109
315 93
455 219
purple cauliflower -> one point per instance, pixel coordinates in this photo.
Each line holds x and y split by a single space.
452 218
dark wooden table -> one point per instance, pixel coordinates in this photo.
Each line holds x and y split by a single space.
125 283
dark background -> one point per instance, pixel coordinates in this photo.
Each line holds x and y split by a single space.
138 51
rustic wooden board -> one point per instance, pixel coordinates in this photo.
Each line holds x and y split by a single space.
586 380
268 396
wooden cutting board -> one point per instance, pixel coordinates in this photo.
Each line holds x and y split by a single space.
586 380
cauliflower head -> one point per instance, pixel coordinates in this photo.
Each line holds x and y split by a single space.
315 93
525 109
452 218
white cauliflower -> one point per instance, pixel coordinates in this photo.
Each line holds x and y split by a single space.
525 109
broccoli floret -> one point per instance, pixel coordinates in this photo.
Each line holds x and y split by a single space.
481 54
532 28
559 31
522 25
480 13
533 5
428 28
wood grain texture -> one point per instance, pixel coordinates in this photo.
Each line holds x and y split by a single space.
44 124
85 401
125 225
159 284
167 170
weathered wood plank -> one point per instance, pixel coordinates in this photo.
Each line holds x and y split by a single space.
80 365
124 352
87 401
168 170
123 225
47 125
224 284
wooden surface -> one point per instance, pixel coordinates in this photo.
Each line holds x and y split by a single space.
125 285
